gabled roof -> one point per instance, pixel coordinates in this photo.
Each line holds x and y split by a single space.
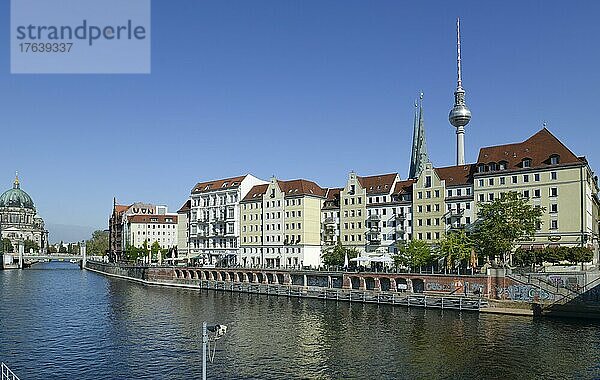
186 207
298 187
256 193
378 184
457 175
538 148
219 184
148 219
404 187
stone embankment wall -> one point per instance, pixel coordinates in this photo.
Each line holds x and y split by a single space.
491 287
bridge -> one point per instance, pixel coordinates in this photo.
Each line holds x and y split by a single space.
23 258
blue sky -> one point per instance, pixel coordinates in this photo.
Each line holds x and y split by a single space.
310 89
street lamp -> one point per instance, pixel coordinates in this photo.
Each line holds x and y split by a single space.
219 331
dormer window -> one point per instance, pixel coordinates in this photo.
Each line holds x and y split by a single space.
480 169
526 162
554 159
502 165
492 166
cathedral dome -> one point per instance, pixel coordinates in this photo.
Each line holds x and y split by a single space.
16 197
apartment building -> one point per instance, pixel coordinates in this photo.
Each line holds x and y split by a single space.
281 224
119 225
183 230
459 198
215 218
161 229
550 175
330 217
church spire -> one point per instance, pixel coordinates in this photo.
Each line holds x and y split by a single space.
419 156
16 183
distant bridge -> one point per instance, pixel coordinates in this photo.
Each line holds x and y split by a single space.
82 258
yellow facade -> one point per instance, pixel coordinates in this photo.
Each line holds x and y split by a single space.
428 206
353 213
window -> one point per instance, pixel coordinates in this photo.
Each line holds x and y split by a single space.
468 219
502 165
526 178
553 175
437 193
468 191
553 191
480 183
428 208
502 180
526 194
420 208
468 205
481 198
491 197
554 224
449 193
527 162
428 181
553 208
536 193
554 159
491 182
420 195
514 179
536 177
458 192
428 194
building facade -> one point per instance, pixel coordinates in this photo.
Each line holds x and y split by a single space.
281 224
183 231
215 218
544 171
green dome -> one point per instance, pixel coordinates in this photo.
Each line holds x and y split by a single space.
16 197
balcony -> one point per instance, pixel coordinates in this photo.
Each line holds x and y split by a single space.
330 221
458 213
374 218
374 238
400 217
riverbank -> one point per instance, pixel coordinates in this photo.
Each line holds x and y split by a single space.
244 281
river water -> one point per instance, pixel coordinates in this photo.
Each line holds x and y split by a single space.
58 322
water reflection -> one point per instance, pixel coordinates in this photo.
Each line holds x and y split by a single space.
75 324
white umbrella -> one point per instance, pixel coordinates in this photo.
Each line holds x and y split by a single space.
346 260
361 258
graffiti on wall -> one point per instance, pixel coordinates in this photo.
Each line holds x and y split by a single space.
526 293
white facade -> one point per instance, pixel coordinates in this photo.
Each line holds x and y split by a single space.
460 206
215 218
151 228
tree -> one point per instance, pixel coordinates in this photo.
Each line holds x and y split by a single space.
98 244
51 248
7 246
30 244
456 247
504 221
579 255
415 253
133 253
155 249
336 255
62 248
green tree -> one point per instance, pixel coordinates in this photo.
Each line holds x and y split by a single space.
30 244
98 244
134 253
336 255
456 248
155 249
51 248
62 248
7 245
504 221
579 255
416 253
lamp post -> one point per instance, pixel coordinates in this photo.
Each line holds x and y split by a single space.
219 331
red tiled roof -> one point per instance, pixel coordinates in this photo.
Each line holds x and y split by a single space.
226 183
121 208
538 148
256 193
297 187
146 219
333 194
456 175
404 187
186 207
378 184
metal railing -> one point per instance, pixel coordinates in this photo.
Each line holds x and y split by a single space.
7 374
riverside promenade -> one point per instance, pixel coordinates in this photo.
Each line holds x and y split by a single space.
495 292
